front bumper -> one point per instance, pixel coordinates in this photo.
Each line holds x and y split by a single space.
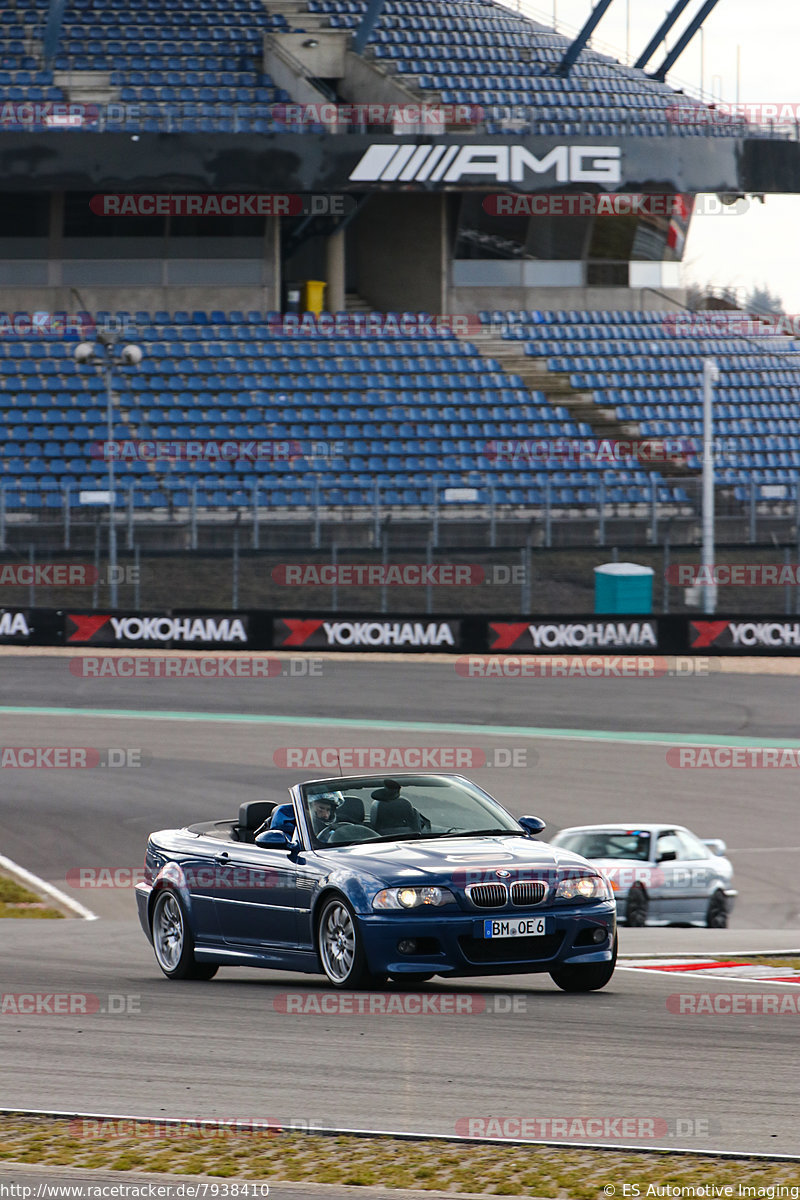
452 944
143 892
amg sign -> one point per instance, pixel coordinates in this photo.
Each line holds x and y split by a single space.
499 163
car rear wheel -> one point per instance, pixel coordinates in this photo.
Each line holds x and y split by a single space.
717 912
637 907
585 979
172 940
339 945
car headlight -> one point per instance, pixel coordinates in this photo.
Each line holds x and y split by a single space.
412 897
584 887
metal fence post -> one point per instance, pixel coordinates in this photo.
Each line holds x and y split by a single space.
548 514
129 538
65 498
525 583
601 512
428 584
435 522
96 585
665 566
653 511
137 562
2 517
752 512
32 583
335 585
315 535
384 564
235 570
193 518
255 518
492 518
787 587
376 513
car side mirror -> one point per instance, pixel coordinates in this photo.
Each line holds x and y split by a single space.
715 845
667 856
275 838
531 825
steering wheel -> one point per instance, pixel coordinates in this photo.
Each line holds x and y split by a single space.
326 829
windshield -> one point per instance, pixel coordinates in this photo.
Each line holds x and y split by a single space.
343 811
608 843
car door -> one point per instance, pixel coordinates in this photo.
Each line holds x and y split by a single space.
255 895
675 896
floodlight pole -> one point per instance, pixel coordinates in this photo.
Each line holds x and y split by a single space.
710 377
112 524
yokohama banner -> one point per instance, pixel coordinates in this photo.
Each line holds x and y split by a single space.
367 633
409 633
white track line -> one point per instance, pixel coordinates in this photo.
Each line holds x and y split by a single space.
686 976
41 885
405 1136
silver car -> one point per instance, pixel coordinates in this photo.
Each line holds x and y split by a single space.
660 874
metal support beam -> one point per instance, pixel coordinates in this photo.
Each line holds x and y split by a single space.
683 41
595 17
660 34
370 20
52 30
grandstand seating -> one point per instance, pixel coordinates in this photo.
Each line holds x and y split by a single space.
634 363
408 414
197 65
479 53
194 65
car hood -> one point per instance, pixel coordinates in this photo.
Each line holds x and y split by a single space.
442 860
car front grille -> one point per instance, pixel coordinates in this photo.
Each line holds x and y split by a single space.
522 949
488 895
529 891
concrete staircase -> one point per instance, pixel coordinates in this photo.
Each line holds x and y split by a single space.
556 386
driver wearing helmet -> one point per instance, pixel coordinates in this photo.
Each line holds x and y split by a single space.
322 809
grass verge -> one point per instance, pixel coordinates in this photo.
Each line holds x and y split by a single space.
19 901
274 1156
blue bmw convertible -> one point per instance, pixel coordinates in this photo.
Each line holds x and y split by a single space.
368 878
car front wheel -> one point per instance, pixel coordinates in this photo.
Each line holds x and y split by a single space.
339 945
172 940
590 978
717 912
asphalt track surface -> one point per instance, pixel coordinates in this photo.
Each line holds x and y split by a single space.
225 1050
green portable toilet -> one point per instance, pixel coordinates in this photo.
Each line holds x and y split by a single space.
623 587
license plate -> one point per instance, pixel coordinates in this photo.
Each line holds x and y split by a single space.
515 927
